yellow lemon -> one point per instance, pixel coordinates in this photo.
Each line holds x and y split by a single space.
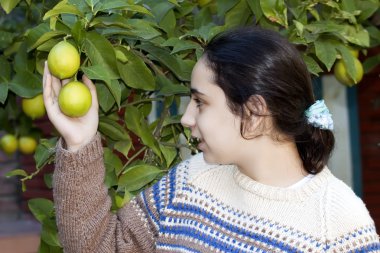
8 143
27 145
341 74
75 99
63 60
34 107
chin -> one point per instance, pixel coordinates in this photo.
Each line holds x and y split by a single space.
211 159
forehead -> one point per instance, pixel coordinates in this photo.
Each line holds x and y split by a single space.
202 78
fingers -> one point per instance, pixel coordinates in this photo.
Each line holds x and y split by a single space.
47 90
92 88
56 84
65 81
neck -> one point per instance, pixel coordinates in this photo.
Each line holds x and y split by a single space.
272 162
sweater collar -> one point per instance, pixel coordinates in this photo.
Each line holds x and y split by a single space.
314 185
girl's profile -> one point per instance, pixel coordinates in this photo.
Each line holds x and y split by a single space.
259 184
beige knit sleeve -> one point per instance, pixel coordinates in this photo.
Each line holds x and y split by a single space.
82 205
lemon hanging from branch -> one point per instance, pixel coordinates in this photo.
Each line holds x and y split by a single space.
63 60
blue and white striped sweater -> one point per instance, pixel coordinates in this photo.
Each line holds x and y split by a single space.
187 215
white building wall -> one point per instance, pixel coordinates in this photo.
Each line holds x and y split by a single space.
335 96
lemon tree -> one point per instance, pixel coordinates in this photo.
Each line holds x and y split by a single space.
140 55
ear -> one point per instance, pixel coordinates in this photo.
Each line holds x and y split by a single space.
255 117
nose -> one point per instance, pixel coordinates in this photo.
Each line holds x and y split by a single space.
188 119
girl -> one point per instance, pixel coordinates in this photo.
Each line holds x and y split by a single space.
260 183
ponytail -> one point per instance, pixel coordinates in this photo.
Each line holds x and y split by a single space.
315 146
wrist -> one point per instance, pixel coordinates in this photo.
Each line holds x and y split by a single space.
75 146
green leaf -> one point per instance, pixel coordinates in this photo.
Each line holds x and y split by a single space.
6 39
160 9
121 4
326 52
21 59
42 209
35 33
225 5
101 52
180 44
143 29
203 17
121 201
5 70
168 88
49 233
45 37
78 32
170 153
9 5
134 72
136 122
92 3
238 15
61 8
256 9
179 67
348 60
123 146
113 166
16 172
368 8
3 92
275 11
26 84
358 36
138 176
48 179
112 129
48 45
105 98
46 248
370 63
312 65
168 23
112 20
45 152
98 72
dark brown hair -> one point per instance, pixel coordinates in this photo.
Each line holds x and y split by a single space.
253 61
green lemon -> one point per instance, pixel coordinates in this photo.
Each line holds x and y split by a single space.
27 145
34 107
341 74
74 99
63 60
8 144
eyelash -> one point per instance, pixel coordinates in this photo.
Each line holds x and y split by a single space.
198 102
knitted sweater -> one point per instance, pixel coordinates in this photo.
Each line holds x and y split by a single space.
199 207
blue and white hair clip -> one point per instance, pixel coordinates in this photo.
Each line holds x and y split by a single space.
319 116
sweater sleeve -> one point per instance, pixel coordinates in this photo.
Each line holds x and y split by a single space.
351 228
85 222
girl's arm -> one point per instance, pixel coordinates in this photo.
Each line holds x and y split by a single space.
84 220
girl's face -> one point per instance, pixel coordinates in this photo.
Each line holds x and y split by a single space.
210 120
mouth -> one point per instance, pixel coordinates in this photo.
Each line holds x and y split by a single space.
194 140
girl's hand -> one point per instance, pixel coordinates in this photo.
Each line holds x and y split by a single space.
76 132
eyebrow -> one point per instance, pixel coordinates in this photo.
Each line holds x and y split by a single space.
194 91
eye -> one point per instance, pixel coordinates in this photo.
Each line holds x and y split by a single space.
198 102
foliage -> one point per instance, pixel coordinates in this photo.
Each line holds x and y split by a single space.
140 55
